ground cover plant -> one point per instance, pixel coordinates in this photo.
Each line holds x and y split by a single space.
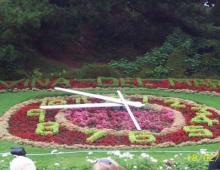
39 94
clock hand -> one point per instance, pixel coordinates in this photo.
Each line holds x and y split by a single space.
80 105
111 99
129 110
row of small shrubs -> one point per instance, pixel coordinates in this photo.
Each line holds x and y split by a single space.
95 70
87 71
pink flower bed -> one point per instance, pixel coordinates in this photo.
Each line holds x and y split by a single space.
109 118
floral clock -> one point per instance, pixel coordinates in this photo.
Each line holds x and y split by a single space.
164 122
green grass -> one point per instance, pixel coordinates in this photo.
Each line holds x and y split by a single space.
78 157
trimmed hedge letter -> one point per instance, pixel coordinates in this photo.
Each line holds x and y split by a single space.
101 80
172 81
201 110
84 99
11 85
145 99
43 83
213 83
140 83
47 128
197 131
127 82
175 103
199 82
37 112
201 118
57 102
96 134
141 137
61 81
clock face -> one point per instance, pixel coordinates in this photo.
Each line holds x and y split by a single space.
162 120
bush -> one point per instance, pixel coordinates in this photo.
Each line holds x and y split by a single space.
87 71
160 72
175 61
193 64
126 67
144 72
73 74
157 57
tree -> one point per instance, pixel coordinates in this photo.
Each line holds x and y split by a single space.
37 26
19 28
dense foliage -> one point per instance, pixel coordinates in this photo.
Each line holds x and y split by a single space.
105 30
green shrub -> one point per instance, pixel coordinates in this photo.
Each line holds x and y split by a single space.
84 74
73 74
126 67
193 64
144 71
175 61
160 72
210 64
157 57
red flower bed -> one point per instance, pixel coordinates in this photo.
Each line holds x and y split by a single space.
23 126
194 84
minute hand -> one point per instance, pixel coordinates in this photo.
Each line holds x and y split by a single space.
130 103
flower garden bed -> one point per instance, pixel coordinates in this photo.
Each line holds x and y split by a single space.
184 123
198 85
178 122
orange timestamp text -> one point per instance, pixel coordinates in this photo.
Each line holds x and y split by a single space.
202 157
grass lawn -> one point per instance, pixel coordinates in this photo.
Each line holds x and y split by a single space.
43 156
